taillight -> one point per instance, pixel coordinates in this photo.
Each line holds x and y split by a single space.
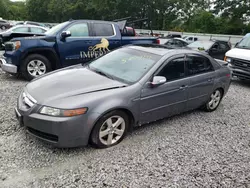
158 41
228 75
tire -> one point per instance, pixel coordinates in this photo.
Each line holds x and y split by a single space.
3 27
104 125
214 101
39 63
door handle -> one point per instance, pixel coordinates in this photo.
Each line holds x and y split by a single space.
210 80
183 87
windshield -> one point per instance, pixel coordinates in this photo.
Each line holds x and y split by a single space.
56 28
244 43
127 65
201 44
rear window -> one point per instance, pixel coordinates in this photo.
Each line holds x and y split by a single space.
103 29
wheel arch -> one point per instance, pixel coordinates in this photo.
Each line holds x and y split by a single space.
49 53
130 115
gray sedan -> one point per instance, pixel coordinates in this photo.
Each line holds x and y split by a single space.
100 102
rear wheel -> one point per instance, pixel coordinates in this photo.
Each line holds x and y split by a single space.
35 65
110 129
3 27
214 101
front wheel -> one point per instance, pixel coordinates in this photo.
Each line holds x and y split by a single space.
3 27
110 129
214 101
35 65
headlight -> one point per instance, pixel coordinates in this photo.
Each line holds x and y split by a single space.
228 59
61 112
12 45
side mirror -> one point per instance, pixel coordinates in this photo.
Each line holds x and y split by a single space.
158 80
65 34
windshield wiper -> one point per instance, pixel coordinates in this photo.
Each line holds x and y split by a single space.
102 73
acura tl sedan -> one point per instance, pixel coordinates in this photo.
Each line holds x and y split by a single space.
99 102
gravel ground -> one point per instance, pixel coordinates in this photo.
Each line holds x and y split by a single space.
196 149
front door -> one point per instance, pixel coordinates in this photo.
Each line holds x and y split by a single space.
167 99
201 74
71 48
216 52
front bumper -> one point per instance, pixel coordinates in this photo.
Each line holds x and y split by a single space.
10 68
62 132
242 74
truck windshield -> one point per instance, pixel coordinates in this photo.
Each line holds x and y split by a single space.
125 65
244 43
54 30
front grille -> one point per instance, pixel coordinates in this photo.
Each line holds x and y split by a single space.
245 65
27 100
241 75
43 135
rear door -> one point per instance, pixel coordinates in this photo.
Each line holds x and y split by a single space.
74 49
104 38
201 73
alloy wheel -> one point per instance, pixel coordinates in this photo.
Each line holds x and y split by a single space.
36 68
214 100
112 130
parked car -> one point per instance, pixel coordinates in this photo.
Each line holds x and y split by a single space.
216 49
69 43
173 35
176 42
190 39
128 87
34 23
4 25
239 59
21 31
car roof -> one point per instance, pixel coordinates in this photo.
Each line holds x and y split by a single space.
163 50
181 39
27 25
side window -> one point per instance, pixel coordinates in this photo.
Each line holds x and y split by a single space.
215 46
21 30
190 38
195 39
178 43
198 65
174 69
36 30
224 46
103 30
79 30
170 42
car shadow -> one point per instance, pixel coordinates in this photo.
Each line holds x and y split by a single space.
244 83
133 133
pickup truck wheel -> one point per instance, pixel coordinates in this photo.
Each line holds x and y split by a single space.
35 65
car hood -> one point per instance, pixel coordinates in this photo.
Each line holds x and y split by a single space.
69 82
239 53
40 37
